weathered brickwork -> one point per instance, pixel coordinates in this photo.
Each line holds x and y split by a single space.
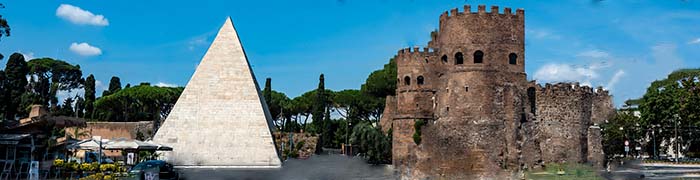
484 119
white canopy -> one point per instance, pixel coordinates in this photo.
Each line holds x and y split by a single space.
88 144
123 144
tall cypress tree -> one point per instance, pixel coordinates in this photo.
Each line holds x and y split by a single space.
89 96
115 85
267 92
319 107
16 81
79 107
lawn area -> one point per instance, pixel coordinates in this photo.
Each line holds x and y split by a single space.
565 172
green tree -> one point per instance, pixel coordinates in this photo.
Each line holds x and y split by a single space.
61 75
624 126
267 92
4 29
4 26
66 109
138 103
381 83
114 86
669 108
319 108
15 83
372 143
89 96
79 107
301 106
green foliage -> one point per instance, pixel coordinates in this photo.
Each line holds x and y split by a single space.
89 96
319 107
66 109
341 132
142 102
53 76
374 145
614 137
570 171
382 83
15 82
675 99
357 106
417 126
114 86
267 92
79 106
4 27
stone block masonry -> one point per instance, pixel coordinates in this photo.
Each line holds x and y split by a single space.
221 120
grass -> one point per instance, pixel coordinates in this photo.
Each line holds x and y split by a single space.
568 172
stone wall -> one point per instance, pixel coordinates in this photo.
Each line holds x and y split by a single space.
115 130
388 113
564 111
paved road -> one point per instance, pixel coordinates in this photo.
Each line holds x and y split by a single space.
319 167
632 170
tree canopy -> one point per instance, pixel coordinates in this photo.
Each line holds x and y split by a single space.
52 76
15 82
382 83
673 103
138 103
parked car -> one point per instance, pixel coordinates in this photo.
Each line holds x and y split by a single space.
164 169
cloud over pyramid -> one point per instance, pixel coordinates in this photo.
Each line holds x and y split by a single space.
220 120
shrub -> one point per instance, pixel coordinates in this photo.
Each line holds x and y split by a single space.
417 131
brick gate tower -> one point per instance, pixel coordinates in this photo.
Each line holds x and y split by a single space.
480 113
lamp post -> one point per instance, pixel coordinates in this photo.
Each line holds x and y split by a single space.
622 130
653 136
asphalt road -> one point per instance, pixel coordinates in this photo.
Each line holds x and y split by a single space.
321 167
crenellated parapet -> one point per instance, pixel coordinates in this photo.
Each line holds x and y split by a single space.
573 89
481 10
414 55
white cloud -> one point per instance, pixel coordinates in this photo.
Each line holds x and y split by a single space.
541 34
77 15
197 41
28 56
85 49
614 79
566 73
63 95
695 41
162 84
597 54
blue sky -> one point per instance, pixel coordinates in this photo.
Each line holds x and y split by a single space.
622 45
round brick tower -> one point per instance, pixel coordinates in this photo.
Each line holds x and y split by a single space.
414 94
480 103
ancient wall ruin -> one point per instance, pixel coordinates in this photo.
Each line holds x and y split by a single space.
483 118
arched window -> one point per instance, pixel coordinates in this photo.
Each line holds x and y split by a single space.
513 58
459 58
444 58
419 80
407 80
478 57
426 60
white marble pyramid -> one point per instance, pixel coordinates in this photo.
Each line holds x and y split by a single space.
220 120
